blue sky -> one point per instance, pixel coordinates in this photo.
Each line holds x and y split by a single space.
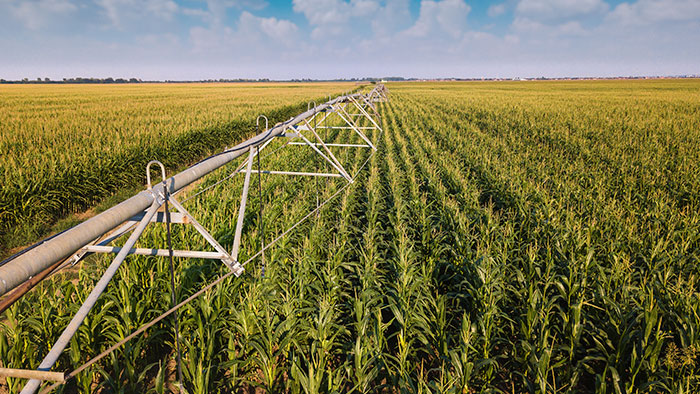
202 39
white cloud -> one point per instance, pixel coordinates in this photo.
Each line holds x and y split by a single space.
394 16
331 18
323 12
521 24
216 10
364 7
122 12
557 10
572 28
496 10
252 37
653 11
160 40
440 35
512 39
538 30
35 14
320 12
196 12
548 19
437 18
277 29
161 8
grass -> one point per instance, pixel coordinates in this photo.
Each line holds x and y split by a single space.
506 237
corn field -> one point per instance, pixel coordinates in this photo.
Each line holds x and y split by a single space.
64 148
505 238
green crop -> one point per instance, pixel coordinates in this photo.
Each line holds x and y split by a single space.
506 237
64 148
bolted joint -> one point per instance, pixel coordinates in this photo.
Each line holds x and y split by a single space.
235 266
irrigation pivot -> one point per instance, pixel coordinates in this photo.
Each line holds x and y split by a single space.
136 213
36 259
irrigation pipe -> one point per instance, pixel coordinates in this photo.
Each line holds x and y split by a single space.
231 175
240 167
28 263
189 299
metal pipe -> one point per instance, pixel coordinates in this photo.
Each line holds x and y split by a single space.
22 289
17 271
90 301
32 374
241 209
338 145
330 175
261 229
159 252
345 128
160 217
29 264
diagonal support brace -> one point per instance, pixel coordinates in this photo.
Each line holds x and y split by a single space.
241 209
230 262
352 124
328 151
366 114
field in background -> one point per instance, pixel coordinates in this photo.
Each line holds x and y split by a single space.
506 237
63 148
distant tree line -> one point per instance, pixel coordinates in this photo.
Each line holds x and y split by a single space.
222 80
372 80
76 80
137 80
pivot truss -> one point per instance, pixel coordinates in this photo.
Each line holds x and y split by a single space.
343 114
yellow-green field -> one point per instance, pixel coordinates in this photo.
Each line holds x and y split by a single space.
529 237
65 147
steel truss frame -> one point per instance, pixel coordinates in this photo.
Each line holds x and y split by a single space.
298 132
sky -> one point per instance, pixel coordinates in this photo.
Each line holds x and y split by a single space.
327 39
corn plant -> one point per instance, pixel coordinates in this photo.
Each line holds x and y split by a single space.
505 237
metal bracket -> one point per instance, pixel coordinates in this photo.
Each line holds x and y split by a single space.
182 217
257 122
159 197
